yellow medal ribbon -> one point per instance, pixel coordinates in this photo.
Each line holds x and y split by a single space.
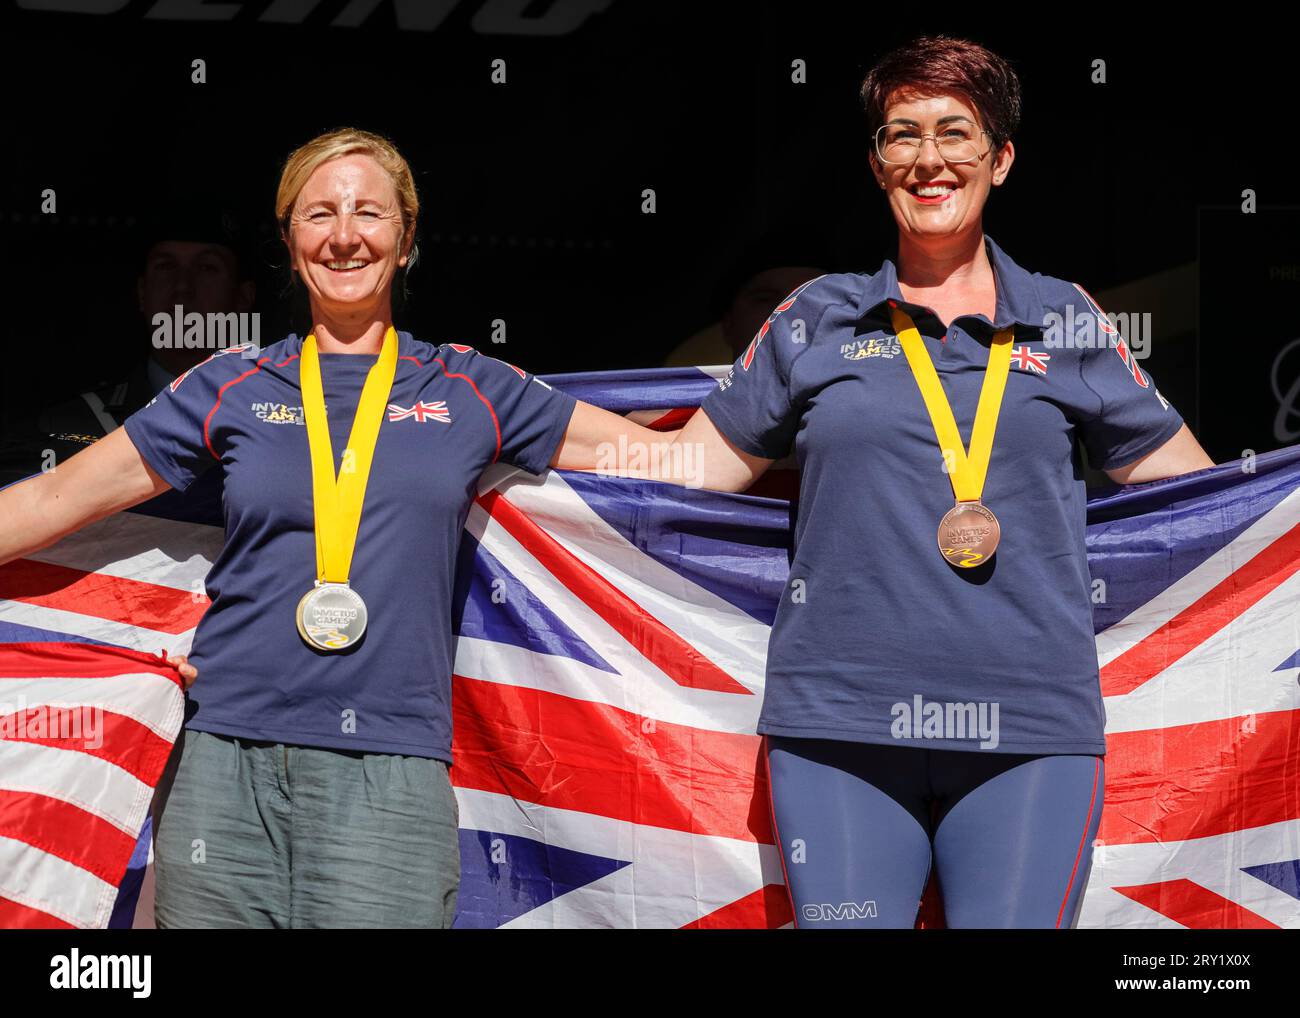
337 501
969 471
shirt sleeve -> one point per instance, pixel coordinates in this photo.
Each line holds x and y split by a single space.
529 416
1124 416
754 405
171 430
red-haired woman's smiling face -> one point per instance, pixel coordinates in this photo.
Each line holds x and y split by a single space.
935 197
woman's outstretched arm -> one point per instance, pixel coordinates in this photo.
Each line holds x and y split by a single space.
109 476
97 482
698 455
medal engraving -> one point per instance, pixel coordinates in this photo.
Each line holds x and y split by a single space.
331 616
969 534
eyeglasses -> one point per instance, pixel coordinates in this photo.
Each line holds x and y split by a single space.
957 140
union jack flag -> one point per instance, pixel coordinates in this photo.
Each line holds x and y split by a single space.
421 412
606 764
1029 360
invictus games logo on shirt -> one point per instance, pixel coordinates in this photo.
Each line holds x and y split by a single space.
886 346
278 413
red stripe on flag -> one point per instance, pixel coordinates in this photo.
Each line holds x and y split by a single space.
768 908
77 661
1204 617
593 758
671 420
677 658
112 598
66 831
1196 907
1201 780
119 739
14 916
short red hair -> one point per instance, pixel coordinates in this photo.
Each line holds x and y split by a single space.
941 65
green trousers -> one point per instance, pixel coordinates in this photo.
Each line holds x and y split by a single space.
264 835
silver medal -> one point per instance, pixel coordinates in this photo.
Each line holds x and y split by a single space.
331 616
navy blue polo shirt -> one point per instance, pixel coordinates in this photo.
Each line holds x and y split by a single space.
451 413
877 634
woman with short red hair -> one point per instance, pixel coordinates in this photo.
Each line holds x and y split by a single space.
932 691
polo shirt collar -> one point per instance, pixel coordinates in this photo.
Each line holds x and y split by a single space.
1018 300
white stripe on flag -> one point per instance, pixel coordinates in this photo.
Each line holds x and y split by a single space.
133 694
67 891
95 785
652 694
1184 592
1232 674
727 636
118 634
132 547
639 687
1216 863
692 875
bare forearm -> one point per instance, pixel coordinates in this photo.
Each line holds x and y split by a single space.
606 443
641 452
697 456
95 483
37 514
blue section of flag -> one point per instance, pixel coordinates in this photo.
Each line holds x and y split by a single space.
648 389
518 617
529 873
734 546
1285 876
1207 510
128 891
13 632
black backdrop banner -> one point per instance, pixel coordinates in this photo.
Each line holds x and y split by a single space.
536 131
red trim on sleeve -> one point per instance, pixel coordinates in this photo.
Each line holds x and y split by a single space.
408 357
220 392
486 402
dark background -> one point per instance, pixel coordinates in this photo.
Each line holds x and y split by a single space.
531 191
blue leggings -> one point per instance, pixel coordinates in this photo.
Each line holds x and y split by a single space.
859 826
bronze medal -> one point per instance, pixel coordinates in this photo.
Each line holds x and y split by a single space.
969 534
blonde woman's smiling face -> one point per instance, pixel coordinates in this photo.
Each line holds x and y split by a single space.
345 234
933 197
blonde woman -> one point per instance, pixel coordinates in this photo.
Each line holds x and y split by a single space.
310 786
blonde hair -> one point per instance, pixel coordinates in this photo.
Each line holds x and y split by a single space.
304 160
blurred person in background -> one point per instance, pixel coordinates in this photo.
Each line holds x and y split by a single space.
758 280
192 254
